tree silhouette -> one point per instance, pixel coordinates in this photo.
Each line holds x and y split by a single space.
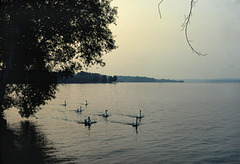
104 79
110 79
43 37
114 78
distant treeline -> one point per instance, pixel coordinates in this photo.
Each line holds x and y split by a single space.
146 79
83 77
86 77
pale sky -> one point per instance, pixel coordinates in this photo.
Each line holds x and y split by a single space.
154 47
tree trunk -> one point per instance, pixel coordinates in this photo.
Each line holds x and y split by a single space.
4 79
12 40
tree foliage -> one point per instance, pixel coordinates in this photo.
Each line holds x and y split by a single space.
86 77
50 36
66 34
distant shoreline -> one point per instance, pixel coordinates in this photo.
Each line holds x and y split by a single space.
86 77
221 80
139 79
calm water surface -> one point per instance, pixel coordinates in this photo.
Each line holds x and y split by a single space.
183 123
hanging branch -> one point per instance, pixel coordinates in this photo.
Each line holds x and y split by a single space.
185 25
185 28
159 8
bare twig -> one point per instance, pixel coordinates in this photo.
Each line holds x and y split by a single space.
185 25
185 28
159 8
34 116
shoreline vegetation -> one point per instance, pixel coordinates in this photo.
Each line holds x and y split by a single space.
140 79
86 77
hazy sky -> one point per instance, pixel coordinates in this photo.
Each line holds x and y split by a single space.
154 47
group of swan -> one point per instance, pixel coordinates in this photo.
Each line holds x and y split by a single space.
65 103
139 116
136 123
80 108
88 121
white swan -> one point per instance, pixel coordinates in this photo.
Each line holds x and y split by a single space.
88 121
105 114
136 123
86 103
140 115
65 103
79 109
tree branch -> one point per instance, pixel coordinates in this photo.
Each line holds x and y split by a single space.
159 8
185 25
185 28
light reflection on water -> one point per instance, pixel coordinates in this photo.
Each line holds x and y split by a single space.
183 123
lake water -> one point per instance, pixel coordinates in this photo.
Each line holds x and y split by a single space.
183 123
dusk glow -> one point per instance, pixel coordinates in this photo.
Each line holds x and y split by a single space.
154 47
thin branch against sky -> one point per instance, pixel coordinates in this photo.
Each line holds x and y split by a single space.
185 25
159 8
